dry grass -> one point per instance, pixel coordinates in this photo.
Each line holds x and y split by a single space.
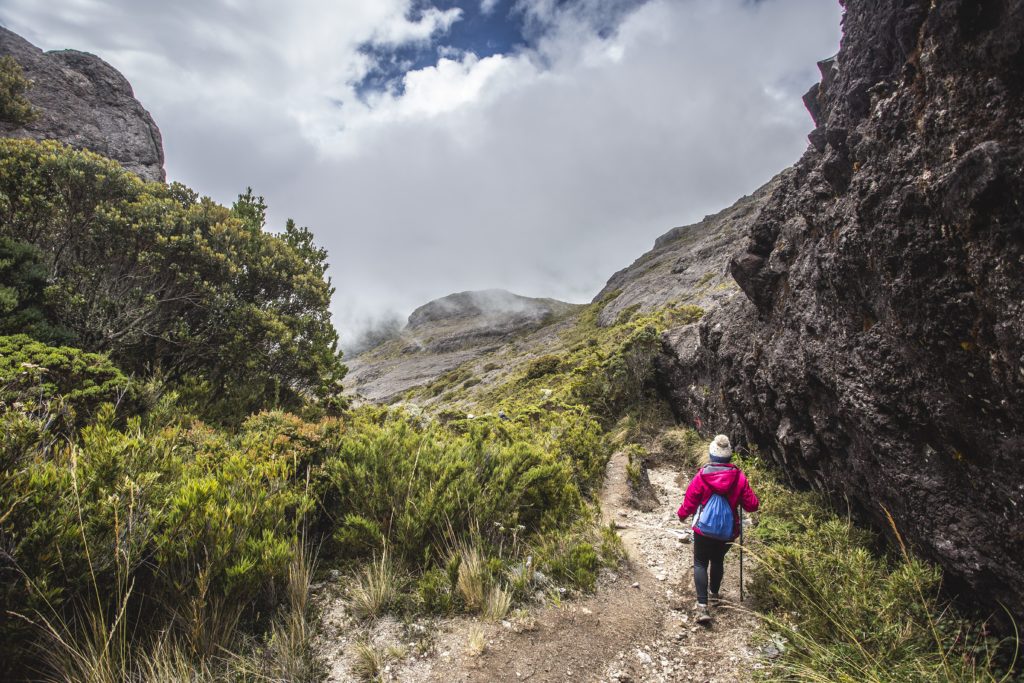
368 661
289 652
476 641
472 582
169 661
375 589
496 603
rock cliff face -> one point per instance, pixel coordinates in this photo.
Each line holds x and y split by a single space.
86 103
879 352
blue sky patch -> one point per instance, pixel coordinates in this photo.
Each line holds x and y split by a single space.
499 31
506 28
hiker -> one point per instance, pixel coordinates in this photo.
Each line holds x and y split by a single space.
716 520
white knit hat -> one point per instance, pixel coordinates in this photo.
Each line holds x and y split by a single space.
720 447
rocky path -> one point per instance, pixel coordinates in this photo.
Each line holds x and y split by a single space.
639 625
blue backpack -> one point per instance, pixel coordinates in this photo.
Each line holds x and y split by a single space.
714 519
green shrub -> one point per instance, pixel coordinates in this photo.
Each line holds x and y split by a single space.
626 314
24 305
33 376
419 484
545 365
200 523
612 550
14 106
610 385
434 591
682 445
636 456
572 561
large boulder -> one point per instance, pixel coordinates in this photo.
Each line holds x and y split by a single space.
879 352
86 103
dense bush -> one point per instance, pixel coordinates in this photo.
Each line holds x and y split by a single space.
414 487
23 282
194 527
200 524
545 365
14 106
165 281
59 381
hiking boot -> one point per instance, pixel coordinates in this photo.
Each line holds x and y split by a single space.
715 599
703 614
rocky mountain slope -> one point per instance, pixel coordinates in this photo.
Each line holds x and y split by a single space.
86 103
877 354
688 263
445 334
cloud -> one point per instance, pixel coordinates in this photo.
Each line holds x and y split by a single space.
541 170
431 22
488 6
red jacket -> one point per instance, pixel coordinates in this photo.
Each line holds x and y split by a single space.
725 479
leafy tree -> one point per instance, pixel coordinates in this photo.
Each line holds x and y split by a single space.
23 307
14 106
163 280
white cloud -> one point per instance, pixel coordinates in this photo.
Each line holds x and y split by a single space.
398 32
488 6
542 172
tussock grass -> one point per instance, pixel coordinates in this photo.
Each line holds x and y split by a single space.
473 579
168 661
368 661
375 588
496 603
848 614
289 652
476 641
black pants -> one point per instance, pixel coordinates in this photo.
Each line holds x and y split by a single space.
708 551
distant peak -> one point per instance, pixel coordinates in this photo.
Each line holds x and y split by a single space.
486 303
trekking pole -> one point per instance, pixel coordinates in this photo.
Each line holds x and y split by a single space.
741 554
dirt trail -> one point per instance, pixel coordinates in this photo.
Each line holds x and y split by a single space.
639 625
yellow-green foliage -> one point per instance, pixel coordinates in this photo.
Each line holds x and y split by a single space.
545 365
682 445
196 520
14 106
34 376
570 558
636 455
846 612
608 370
391 479
446 381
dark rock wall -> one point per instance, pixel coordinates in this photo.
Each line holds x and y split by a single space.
879 354
86 103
